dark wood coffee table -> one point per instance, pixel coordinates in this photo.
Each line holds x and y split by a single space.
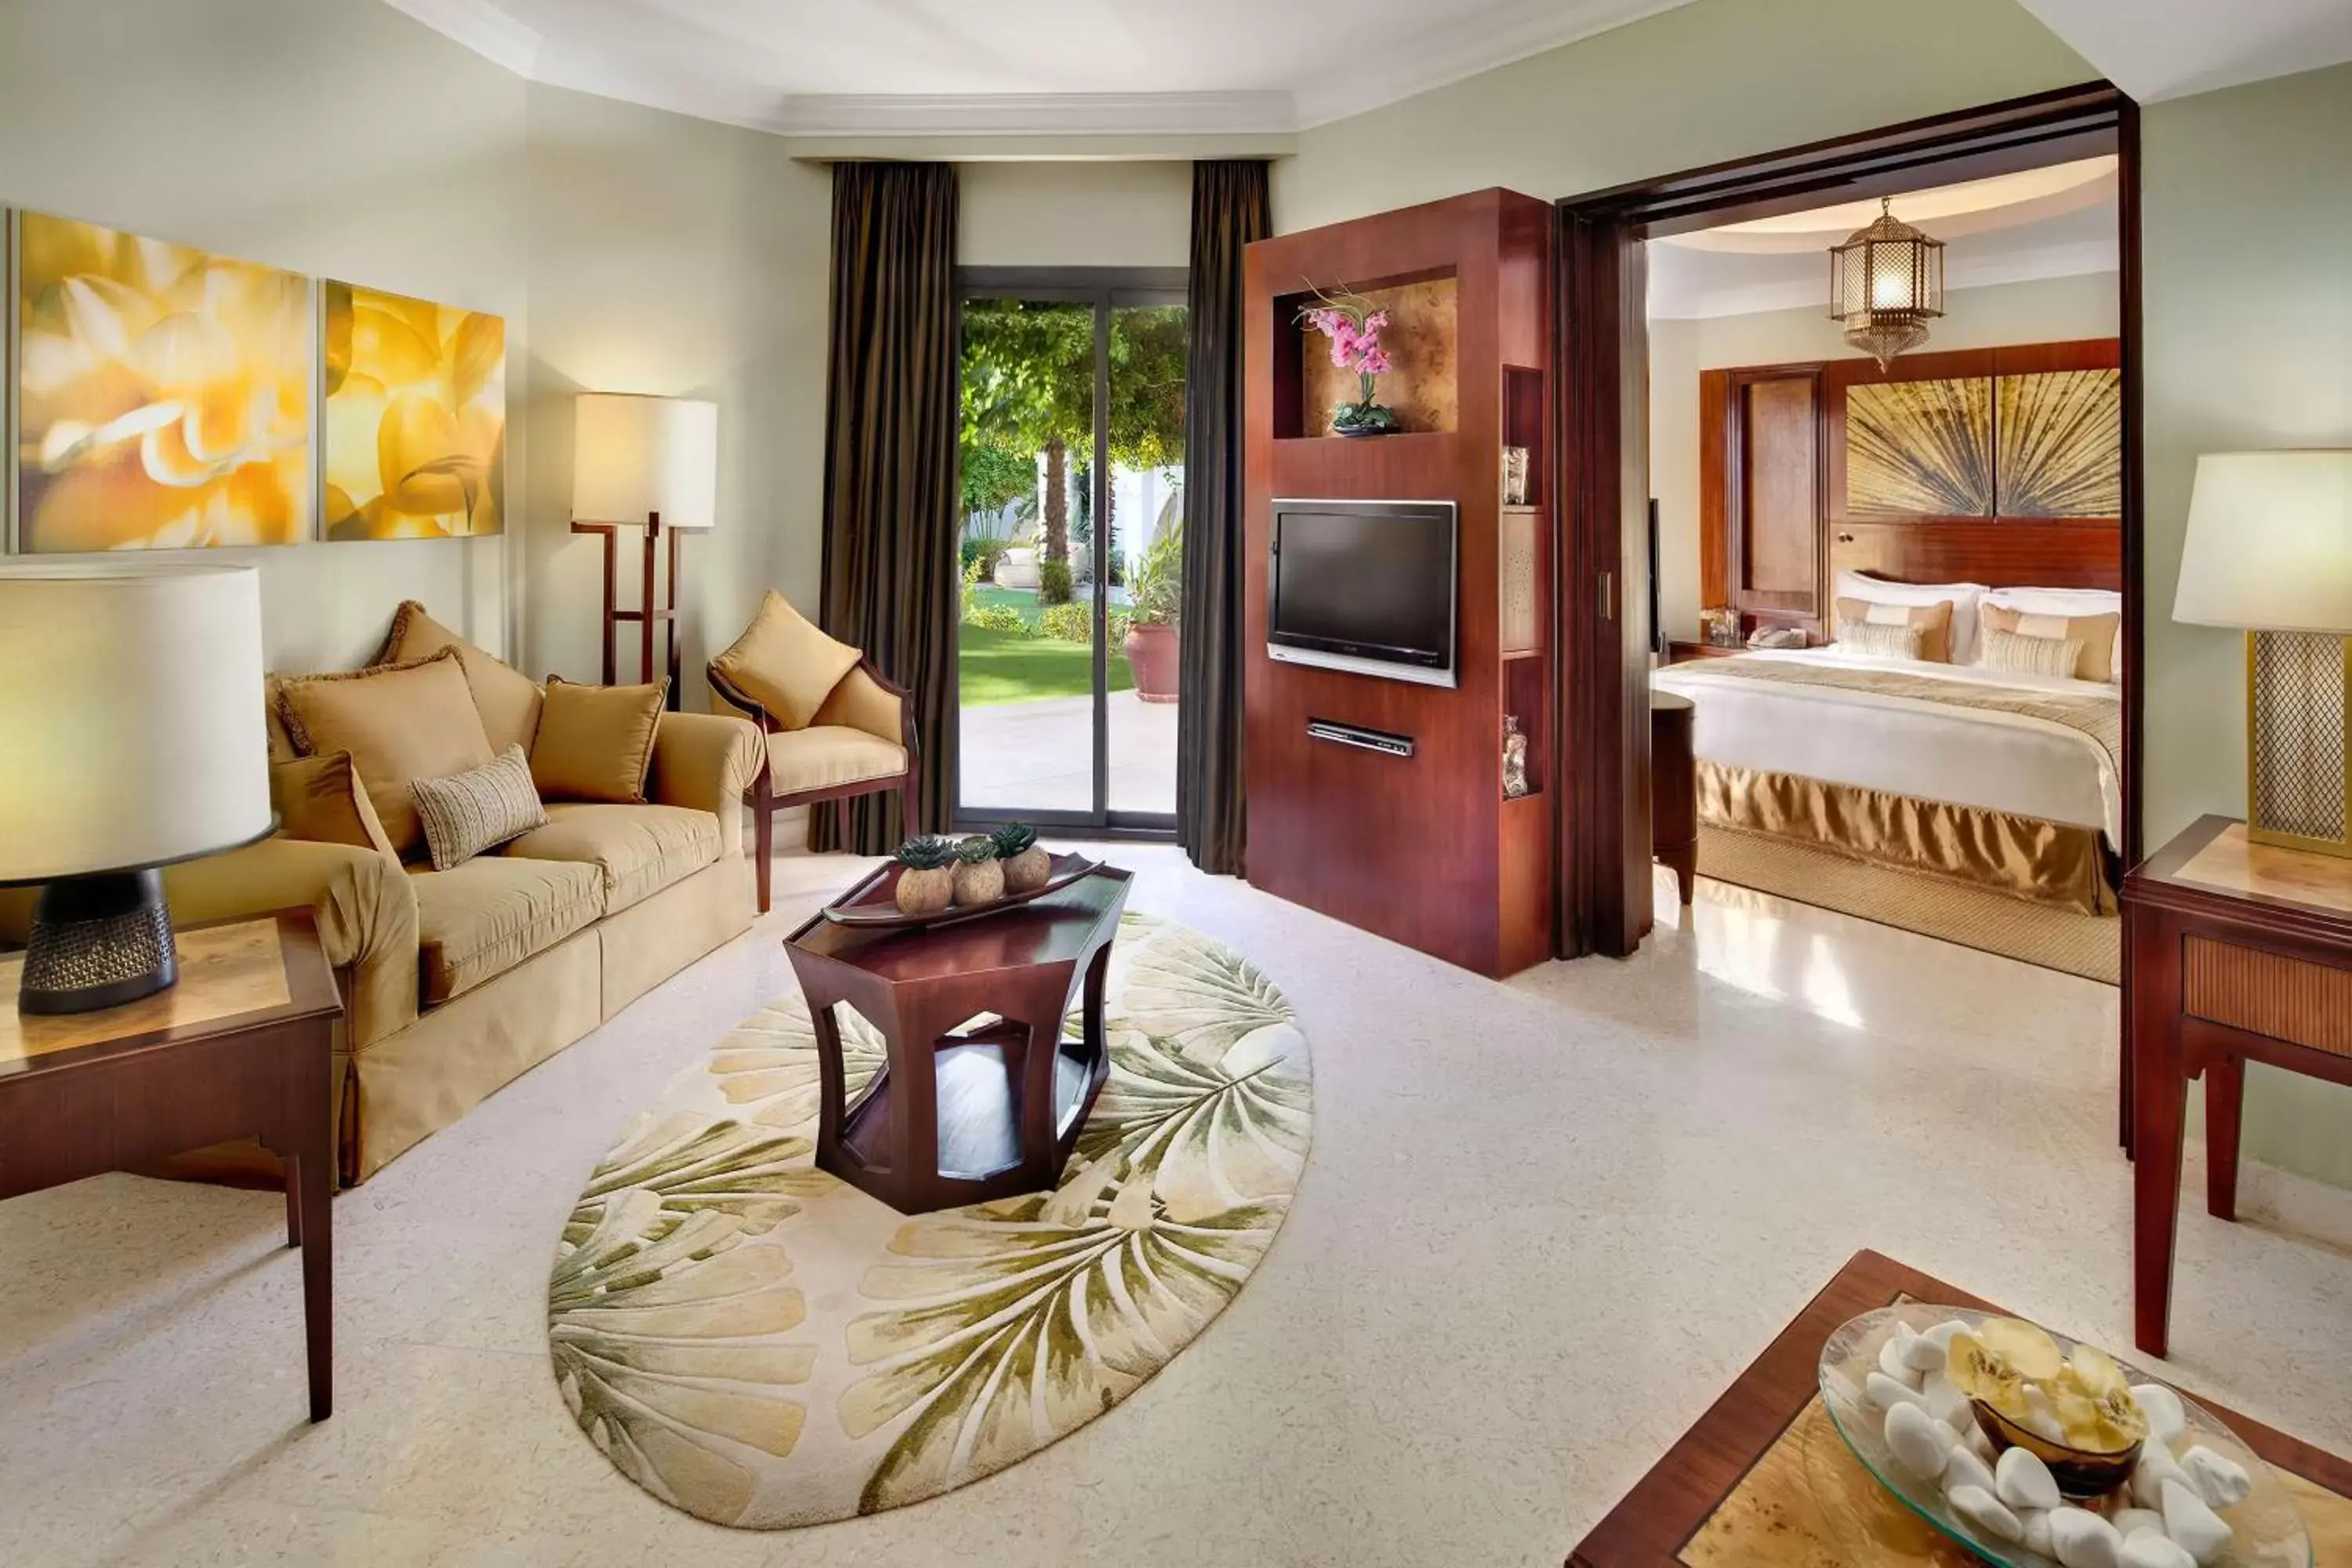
242 1047
960 1117
1764 1480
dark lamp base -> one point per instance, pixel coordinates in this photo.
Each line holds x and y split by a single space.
98 942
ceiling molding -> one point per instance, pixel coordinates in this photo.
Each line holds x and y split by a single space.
481 28
1032 114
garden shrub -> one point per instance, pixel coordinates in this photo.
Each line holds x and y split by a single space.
1053 582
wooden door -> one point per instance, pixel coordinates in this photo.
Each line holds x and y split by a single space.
1773 497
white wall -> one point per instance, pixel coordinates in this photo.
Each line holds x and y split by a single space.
673 255
2247 239
1697 85
1073 214
2047 311
330 137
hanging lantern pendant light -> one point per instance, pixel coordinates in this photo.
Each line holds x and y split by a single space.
1887 282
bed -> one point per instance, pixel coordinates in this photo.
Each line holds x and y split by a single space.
1998 778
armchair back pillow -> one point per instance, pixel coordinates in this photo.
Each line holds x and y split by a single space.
399 723
596 742
784 663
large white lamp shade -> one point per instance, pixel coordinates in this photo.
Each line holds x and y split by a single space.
636 458
2270 542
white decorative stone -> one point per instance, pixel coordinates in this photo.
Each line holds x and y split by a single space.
1920 1441
2024 1481
2221 1480
1985 1513
1940 1336
1963 1468
2082 1540
2037 1530
2166 1416
2039 1418
2153 1549
2191 1524
1886 1392
2130 1521
1920 1352
1946 1403
1891 1364
2155 1466
1979 1444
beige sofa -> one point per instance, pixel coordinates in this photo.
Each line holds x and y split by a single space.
456 982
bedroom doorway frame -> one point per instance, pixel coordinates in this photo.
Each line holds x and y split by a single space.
1601 347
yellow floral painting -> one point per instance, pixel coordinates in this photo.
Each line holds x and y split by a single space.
163 393
416 417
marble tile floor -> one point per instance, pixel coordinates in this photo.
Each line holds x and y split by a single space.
1542 1225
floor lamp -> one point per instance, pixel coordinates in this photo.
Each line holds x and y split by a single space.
649 463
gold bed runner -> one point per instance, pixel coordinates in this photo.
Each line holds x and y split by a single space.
2099 718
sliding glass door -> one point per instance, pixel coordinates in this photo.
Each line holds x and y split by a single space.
1072 455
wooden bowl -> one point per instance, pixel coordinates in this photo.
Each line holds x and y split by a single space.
2079 1472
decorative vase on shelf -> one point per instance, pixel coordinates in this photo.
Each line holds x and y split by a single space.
1353 324
1514 758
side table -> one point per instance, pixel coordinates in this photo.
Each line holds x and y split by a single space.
952 1116
1673 789
243 1046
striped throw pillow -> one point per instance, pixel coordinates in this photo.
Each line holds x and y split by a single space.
479 809
1881 639
2022 654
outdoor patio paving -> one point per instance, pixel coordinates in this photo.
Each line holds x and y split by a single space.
1039 756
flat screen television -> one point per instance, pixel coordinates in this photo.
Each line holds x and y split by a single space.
1364 585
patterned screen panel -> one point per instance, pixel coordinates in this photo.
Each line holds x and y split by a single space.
1919 448
2061 443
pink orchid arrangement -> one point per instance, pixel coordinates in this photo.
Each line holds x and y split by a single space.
1353 324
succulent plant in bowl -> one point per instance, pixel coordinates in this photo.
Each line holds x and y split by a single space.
1026 864
926 875
979 875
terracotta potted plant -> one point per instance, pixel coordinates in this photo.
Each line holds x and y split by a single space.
1026 864
1159 589
979 875
926 877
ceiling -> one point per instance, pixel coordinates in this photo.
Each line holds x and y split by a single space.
2042 223
895 67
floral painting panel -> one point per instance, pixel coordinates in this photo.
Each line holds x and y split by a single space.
162 393
416 417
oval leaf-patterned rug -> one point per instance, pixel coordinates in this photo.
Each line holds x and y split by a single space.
760 1344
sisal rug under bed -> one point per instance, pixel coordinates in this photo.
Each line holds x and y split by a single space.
2087 946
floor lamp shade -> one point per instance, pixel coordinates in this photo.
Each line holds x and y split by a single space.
131 698
2270 550
636 458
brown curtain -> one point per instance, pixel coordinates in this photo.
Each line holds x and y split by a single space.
1230 209
891 466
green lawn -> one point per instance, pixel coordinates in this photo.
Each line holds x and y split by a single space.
1005 666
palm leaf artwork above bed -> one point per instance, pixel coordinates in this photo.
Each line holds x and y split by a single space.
1919 448
2061 443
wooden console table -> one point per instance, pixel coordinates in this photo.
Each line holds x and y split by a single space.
1763 1480
2236 952
243 1046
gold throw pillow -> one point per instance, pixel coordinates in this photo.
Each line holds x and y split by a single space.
479 809
596 742
2096 633
785 664
506 699
1934 621
321 800
1879 639
2024 655
399 723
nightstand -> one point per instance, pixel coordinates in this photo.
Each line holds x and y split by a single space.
1678 652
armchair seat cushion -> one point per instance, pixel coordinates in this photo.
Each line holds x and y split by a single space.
636 850
480 919
829 755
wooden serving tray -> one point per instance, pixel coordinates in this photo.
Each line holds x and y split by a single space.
875 903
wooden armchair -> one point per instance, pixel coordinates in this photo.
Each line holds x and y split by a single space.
860 741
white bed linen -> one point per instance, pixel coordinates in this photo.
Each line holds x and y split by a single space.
1965 756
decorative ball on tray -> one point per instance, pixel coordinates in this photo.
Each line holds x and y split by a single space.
927 875
1026 863
979 875
2032 1453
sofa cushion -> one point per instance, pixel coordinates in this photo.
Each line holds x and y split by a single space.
637 850
784 663
467 813
321 800
596 742
506 699
828 755
399 721
481 918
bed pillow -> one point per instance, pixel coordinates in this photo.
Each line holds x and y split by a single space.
2070 602
1932 622
1881 639
1961 644
2097 635
2020 654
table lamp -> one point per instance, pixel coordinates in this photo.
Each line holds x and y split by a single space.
649 463
130 698
2270 550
